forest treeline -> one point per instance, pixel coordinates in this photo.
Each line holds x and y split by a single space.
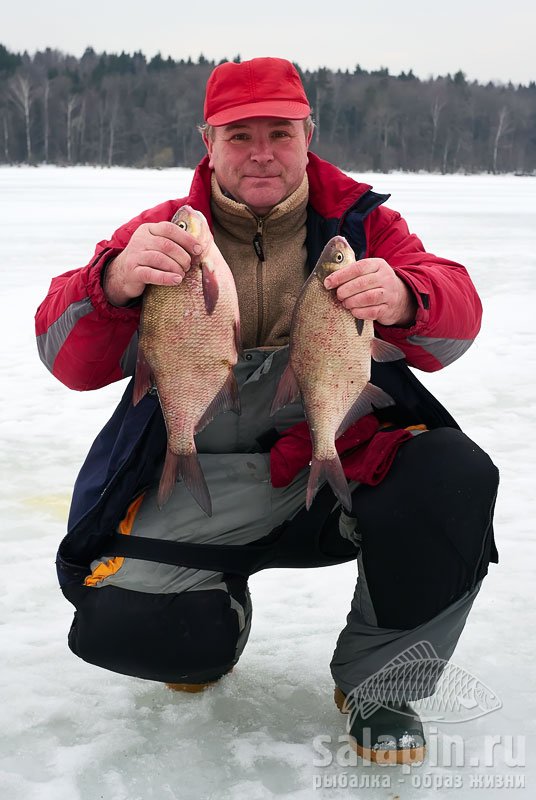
108 109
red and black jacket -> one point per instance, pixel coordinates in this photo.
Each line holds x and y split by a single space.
87 343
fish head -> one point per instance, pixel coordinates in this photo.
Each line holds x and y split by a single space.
195 223
336 254
485 698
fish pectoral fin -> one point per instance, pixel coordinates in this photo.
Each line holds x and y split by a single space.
384 351
237 337
227 399
143 380
287 391
211 290
368 708
370 398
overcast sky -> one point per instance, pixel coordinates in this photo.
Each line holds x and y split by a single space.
487 41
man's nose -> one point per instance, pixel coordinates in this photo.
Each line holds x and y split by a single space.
262 151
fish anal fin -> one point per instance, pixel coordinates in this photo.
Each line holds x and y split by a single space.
143 380
211 290
227 399
384 351
287 390
330 469
370 398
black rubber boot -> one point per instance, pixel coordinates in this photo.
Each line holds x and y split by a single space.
390 735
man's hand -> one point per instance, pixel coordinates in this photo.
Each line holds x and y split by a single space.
371 289
159 253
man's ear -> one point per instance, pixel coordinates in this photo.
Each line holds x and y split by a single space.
209 145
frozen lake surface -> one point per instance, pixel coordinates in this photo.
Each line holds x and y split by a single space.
71 731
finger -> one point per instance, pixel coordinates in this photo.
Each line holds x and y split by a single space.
172 261
370 312
363 283
374 297
353 270
158 277
168 230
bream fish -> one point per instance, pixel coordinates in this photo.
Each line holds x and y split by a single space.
329 366
189 342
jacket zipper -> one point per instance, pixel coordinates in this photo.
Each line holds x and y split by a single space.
258 246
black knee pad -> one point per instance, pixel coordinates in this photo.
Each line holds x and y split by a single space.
188 637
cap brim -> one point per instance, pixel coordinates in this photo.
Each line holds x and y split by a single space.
284 109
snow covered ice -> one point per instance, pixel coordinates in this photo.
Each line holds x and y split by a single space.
71 731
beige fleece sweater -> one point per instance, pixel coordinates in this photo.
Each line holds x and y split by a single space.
268 259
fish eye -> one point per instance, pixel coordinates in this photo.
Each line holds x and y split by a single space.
338 257
182 224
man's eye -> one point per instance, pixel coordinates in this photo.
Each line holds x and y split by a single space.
281 134
239 137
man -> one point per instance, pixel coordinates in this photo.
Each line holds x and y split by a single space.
163 594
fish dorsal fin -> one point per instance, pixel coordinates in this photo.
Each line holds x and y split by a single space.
227 399
211 290
360 324
416 654
422 651
383 351
370 398
287 391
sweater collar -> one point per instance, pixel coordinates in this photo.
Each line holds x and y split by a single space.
238 220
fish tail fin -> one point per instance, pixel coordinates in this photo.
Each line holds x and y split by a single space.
168 478
330 469
191 473
189 469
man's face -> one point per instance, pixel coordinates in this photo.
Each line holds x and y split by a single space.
259 161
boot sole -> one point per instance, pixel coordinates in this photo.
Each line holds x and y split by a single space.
193 688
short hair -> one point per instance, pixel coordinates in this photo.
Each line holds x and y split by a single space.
208 130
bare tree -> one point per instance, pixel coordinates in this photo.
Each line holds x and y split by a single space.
72 104
22 96
504 127
5 130
437 107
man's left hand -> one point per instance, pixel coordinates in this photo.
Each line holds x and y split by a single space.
371 289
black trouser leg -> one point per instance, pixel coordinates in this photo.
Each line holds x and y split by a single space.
426 530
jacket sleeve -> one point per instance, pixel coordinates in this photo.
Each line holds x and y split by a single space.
449 310
82 339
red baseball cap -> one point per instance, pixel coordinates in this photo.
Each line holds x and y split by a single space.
262 87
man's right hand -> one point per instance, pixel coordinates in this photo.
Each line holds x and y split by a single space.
158 253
